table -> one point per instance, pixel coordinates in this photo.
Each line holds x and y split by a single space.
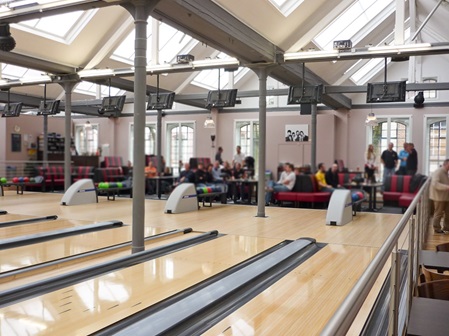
158 180
234 183
20 186
112 192
371 188
434 259
428 317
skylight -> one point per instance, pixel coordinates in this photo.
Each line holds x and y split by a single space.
16 72
208 79
348 24
172 42
286 7
62 28
373 66
90 89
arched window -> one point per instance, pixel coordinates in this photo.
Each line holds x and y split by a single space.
436 143
247 137
150 140
391 129
180 143
86 138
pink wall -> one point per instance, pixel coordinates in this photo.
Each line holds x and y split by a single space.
341 134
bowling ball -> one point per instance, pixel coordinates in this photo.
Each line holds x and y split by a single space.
21 179
355 197
209 189
32 179
205 191
15 180
3 180
112 185
101 185
119 185
105 185
361 194
26 179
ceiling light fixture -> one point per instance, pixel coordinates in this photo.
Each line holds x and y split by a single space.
209 122
371 119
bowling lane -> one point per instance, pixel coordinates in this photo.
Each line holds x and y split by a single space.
63 266
33 254
94 304
304 300
39 227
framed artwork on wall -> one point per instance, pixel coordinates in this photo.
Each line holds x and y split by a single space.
297 133
16 142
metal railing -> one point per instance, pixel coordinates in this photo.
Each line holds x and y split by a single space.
415 220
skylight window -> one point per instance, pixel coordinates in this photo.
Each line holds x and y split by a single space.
63 28
286 7
348 24
172 42
208 79
373 66
16 72
90 89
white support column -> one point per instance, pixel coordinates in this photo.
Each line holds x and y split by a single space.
399 22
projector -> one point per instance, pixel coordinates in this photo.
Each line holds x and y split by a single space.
183 59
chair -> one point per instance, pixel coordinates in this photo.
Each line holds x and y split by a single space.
443 247
434 290
430 275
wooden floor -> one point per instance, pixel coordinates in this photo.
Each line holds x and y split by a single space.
298 304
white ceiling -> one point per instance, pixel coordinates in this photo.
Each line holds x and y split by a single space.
110 25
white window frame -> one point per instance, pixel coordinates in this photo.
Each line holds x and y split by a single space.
168 127
131 141
86 149
426 155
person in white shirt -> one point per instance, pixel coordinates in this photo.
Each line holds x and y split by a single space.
286 182
239 157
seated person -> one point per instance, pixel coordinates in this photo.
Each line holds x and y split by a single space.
331 176
226 171
216 172
238 172
150 172
321 179
186 175
286 183
201 176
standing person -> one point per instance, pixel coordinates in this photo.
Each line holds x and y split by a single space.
370 163
239 157
389 159
403 154
218 155
439 194
286 182
412 160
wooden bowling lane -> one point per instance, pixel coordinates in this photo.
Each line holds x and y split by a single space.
94 304
63 266
303 301
39 227
55 249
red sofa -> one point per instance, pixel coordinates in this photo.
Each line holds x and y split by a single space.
401 189
304 191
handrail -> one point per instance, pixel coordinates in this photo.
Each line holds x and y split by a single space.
344 316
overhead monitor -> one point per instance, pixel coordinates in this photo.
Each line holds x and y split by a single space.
386 92
161 101
49 107
12 110
307 94
221 98
112 106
